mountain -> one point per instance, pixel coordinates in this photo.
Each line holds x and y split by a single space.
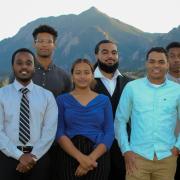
78 35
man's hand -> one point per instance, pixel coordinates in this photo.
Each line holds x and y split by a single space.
130 161
175 151
27 161
22 169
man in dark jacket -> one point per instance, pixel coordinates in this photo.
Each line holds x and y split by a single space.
111 83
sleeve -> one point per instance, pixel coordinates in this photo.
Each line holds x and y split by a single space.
122 117
178 118
49 128
108 127
60 127
6 145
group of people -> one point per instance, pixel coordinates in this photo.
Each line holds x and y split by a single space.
95 124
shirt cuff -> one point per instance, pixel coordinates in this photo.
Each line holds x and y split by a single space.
177 146
125 149
17 154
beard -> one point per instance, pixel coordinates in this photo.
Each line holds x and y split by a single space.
23 79
107 68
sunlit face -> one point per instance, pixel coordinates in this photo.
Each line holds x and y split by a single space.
107 54
82 75
44 44
157 67
23 67
174 60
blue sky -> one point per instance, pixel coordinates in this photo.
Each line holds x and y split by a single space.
147 15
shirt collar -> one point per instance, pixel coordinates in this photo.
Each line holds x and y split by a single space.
98 74
154 85
18 85
39 66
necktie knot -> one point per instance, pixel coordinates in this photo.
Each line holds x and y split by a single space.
24 90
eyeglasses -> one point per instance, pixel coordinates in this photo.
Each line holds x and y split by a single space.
46 41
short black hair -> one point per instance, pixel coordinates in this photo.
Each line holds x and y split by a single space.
174 44
96 50
21 50
156 49
45 29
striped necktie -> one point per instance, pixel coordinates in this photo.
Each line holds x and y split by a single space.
24 124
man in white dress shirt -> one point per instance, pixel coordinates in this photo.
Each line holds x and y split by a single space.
28 123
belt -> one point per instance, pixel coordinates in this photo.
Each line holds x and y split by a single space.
25 149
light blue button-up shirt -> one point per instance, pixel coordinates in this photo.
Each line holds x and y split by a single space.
154 111
43 119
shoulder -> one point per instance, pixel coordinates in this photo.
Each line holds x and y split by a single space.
134 85
136 82
60 70
126 78
63 97
64 76
7 91
103 98
6 88
173 85
123 79
41 90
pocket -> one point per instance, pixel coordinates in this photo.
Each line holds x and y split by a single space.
168 105
143 106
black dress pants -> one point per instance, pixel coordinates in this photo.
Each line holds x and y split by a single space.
117 165
53 151
8 169
70 165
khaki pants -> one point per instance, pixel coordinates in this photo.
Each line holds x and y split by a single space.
154 169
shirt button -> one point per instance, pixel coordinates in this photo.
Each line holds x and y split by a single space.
44 74
43 84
